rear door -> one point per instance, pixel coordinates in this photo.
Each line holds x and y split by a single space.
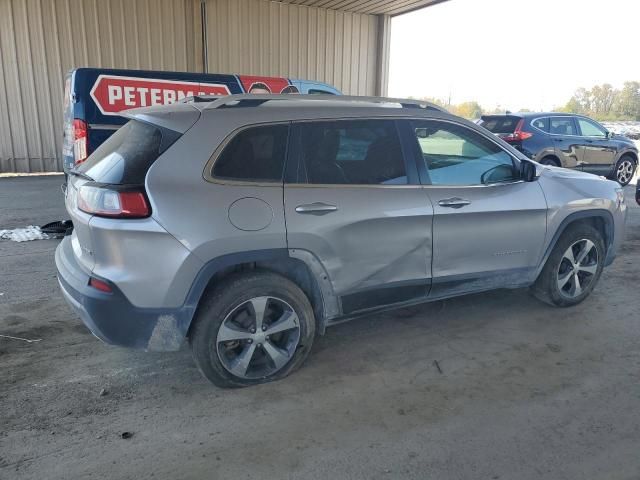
568 144
354 202
599 151
488 225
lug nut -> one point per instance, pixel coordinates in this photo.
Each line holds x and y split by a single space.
259 345
249 341
253 330
264 328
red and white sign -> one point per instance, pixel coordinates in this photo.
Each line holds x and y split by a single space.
114 94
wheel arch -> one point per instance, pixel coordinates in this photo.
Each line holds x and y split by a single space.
552 156
600 219
301 267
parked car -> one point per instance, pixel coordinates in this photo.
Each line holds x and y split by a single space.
570 141
94 98
248 224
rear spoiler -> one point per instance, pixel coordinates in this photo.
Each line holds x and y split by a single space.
178 117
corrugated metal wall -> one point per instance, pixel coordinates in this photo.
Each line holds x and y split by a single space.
40 40
270 38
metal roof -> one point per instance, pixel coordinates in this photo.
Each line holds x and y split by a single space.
374 7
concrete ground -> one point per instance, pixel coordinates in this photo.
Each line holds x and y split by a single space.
525 391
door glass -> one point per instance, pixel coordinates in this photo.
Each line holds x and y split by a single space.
364 152
456 155
590 129
562 126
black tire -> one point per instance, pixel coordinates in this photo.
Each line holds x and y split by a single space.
550 161
621 170
238 290
546 287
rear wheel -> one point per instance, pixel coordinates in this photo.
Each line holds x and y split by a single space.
257 328
573 268
625 168
550 161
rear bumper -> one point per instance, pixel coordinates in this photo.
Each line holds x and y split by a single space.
111 317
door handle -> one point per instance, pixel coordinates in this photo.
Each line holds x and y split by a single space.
454 202
317 208
557 139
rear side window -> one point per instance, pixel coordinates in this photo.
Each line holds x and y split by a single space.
126 156
541 124
358 152
562 126
500 124
254 154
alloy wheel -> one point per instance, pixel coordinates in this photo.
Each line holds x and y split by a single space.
258 337
578 268
624 172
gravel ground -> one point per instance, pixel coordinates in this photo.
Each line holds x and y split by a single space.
525 391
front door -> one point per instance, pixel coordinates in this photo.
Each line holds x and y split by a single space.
356 204
488 225
599 151
569 146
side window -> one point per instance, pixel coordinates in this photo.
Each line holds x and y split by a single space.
541 124
591 129
358 152
562 126
456 155
316 91
254 154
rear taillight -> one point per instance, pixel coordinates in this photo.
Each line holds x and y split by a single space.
113 202
79 141
518 135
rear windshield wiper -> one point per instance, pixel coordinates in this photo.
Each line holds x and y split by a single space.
76 173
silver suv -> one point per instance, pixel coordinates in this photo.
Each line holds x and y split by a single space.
249 223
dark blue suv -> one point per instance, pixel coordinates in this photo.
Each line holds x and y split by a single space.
570 141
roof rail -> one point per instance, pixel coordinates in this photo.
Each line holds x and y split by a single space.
249 99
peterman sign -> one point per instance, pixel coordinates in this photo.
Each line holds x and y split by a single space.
113 94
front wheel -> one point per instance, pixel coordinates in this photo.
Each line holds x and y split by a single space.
573 268
257 327
625 168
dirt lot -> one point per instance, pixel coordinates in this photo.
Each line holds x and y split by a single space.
526 391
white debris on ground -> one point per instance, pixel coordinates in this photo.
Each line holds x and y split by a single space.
23 234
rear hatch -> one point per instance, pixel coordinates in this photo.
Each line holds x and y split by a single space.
500 125
110 183
510 128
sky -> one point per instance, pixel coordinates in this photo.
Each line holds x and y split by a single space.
514 54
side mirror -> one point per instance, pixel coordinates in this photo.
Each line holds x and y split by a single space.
609 135
527 171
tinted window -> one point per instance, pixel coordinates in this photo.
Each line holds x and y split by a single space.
352 152
126 156
591 129
562 126
254 154
456 155
541 124
500 124
315 91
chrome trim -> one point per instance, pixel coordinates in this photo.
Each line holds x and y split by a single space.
103 126
208 168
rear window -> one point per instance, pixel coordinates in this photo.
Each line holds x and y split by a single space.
126 156
501 124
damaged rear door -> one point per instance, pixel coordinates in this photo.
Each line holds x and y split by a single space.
353 201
